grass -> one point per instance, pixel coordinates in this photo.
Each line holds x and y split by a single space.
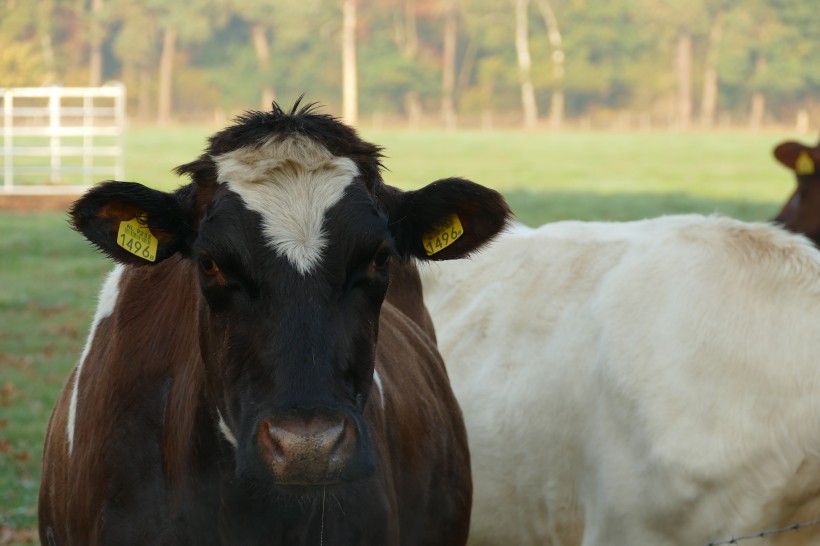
50 275
47 286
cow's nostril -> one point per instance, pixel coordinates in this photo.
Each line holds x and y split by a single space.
307 449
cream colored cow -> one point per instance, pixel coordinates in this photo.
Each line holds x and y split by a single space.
645 383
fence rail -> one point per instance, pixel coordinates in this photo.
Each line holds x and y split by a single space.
60 139
764 534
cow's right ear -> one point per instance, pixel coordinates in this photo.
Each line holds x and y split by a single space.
134 224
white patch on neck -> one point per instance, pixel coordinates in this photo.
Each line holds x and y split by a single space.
378 381
291 182
108 299
226 431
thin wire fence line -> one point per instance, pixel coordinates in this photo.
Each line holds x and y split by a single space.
764 534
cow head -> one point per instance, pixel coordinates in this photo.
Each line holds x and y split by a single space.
293 234
801 214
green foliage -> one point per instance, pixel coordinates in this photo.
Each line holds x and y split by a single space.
21 64
619 54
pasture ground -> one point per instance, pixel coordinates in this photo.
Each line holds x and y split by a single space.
49 275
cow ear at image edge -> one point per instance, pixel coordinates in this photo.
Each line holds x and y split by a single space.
131 223
802 159
445 220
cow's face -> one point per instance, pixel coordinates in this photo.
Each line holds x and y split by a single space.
294 257
801 213
293 234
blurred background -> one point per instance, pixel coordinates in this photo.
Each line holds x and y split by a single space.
622 64
574 109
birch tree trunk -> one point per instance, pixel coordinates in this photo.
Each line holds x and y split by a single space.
522 50
448 75
166 76
144 93
554 35
683 73
709 98
757 111
407 38
262 49
95 45
47 48
758 107
350 100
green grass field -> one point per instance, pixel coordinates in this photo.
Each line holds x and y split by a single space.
50 275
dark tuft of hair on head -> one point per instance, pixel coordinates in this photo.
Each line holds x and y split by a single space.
253 128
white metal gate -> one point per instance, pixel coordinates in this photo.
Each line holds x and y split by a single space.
61 139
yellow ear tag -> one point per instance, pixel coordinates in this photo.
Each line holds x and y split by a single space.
804 164
442 235
135 237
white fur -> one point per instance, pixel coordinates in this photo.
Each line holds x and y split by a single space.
226 431
291 183
378 381
107 300
646 383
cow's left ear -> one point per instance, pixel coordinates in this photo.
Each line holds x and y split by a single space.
134 224
445 220
797 157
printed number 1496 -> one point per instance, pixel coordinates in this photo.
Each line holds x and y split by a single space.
135 247
443 236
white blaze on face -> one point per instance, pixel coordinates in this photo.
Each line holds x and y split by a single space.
291 182
108 299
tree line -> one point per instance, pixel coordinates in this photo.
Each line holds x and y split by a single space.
534 63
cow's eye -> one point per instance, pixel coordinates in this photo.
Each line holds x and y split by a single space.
382 257
208 265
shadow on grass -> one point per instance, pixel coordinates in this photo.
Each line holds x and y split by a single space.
536 208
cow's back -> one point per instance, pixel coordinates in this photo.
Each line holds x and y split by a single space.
642 383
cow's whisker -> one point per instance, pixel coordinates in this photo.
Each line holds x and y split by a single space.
322 528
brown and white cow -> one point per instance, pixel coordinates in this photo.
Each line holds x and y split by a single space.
801 213
262 369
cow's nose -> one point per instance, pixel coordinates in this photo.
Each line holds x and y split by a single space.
307 448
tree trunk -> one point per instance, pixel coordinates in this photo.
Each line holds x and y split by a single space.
412 105
407 39
522 50
554 35
350 100
758 106
47 47
166 76
683 72
144 93
95 62
411 33
466 68
262 49
557 109
801 122
448 75
757 111
708 103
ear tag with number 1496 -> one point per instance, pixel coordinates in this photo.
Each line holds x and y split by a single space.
442 235
135 237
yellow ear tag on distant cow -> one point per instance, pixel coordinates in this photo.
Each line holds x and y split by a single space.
135 237
442 235
804 163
